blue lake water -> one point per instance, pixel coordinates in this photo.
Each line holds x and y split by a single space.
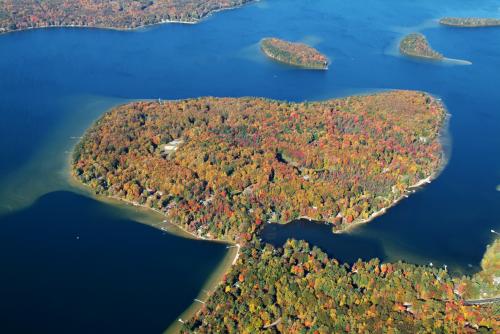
60 276
55 82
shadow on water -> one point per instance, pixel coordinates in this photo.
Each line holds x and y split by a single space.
71 264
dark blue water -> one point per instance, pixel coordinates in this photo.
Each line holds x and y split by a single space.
73 265
55 82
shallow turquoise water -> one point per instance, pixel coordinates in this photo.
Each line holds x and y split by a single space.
55 82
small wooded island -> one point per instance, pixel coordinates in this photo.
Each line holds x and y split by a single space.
296 54
469 22
222 167
416 45
116 14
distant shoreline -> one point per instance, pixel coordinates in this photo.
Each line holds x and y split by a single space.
469 22
131 29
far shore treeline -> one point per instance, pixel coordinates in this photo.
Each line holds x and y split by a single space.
113 14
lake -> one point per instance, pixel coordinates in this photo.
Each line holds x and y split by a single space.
72 263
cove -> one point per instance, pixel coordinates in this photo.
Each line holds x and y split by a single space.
55 82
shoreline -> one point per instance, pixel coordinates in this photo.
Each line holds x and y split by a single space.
469 22
435 60
417 56
212 283
356 223
411 189
130 29
73 181
214 279
304 67
97 27
443 134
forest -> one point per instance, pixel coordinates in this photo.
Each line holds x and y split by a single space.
416 45
222 167
243 162
296 54
298 289
119 14
486 283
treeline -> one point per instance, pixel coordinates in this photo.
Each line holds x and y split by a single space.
298 289
469 22
297 54
121 14
486 283
244 162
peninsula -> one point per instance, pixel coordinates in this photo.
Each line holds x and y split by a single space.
114 14
416 45
469 22
221 167
296 54
237 163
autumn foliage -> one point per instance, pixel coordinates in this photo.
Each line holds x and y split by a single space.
245 161
301 290
297 54
120 14
416 45
221 167
486 283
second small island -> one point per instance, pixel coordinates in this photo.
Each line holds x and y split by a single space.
296 54
416 45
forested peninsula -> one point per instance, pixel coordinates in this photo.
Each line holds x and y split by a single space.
222 167
115 14
469 22
416 45
296 54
